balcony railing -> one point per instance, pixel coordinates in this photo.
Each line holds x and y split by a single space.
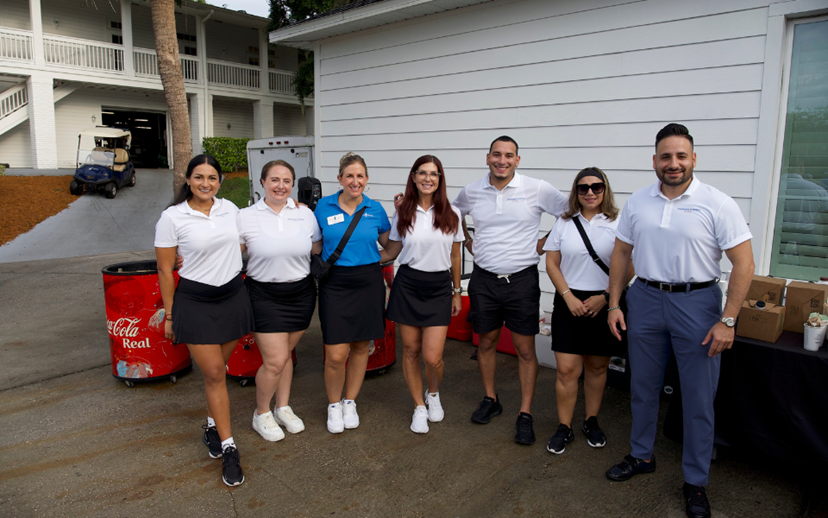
15 44
225 73
281 82
78 53
13 99
146 64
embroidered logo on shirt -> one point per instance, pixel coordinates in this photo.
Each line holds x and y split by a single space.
687 209
221 215
516 199
296 219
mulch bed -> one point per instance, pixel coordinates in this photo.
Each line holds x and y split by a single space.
28 200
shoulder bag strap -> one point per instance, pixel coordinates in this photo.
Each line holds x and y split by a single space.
591 250
344 241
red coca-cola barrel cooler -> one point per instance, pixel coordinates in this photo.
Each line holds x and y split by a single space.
246 359
382 353
135 322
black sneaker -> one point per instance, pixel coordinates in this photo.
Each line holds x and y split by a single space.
696 504
231 473
525 432
557 444
212 440
595 436
629 468
488 408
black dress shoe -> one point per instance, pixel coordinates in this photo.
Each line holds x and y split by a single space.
629 468
695 500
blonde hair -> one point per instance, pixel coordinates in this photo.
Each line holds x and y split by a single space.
351 158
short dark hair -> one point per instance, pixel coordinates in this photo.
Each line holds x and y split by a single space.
673 130
504 138
274 163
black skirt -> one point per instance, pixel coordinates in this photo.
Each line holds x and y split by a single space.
420 298
282 307
587 336
352 304
204 314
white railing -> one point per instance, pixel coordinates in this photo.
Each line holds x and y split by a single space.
15 44
13 99
281 82
146 64
225 73
75 52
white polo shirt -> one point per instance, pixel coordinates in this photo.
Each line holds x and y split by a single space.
681 240
506 222
278 244
425 248
209 245
577 266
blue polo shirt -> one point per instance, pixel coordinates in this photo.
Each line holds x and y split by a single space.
362 247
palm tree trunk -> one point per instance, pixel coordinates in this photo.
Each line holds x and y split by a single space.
172 79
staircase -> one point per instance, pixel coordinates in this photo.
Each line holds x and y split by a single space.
14 102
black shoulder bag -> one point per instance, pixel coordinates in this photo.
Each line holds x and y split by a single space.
320 268
588 244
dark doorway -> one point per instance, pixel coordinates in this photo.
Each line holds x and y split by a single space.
149 135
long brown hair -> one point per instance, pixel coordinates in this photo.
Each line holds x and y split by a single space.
445 219
607 205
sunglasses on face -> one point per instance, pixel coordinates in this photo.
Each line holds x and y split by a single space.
597 188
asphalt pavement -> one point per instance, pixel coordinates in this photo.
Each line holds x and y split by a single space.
94 224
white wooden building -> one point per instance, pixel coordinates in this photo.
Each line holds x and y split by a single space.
67 66
586 83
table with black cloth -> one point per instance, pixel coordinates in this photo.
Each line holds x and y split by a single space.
773 400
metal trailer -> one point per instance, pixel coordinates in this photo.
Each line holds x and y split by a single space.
297 151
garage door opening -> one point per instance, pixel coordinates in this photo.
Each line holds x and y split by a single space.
149 135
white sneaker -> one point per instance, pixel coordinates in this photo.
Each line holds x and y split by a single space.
435 409
335 422
267 427
285 417
419 423
349 414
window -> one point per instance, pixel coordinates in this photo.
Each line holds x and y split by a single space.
253 61
190 51
115 25
117 39
800 240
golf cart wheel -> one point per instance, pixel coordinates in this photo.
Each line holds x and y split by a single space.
132 180
111 190
75 188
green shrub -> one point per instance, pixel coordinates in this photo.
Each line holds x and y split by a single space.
236 190
231 153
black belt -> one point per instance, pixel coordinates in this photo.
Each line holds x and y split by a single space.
680 288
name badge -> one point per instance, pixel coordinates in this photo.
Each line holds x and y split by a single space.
333 220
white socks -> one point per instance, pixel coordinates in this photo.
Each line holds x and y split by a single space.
227 443
211 422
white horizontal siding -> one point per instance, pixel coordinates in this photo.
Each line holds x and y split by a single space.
576 82
229 42
237 114
87 20
15 14
74 113
16 146
288 120
142 32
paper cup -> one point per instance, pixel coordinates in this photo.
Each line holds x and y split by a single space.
814 336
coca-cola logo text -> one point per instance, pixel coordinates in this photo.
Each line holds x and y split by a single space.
123 327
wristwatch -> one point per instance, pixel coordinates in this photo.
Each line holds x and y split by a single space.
458 290
728 321
606 296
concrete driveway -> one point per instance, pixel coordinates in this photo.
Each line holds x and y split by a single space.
96 225
77 442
